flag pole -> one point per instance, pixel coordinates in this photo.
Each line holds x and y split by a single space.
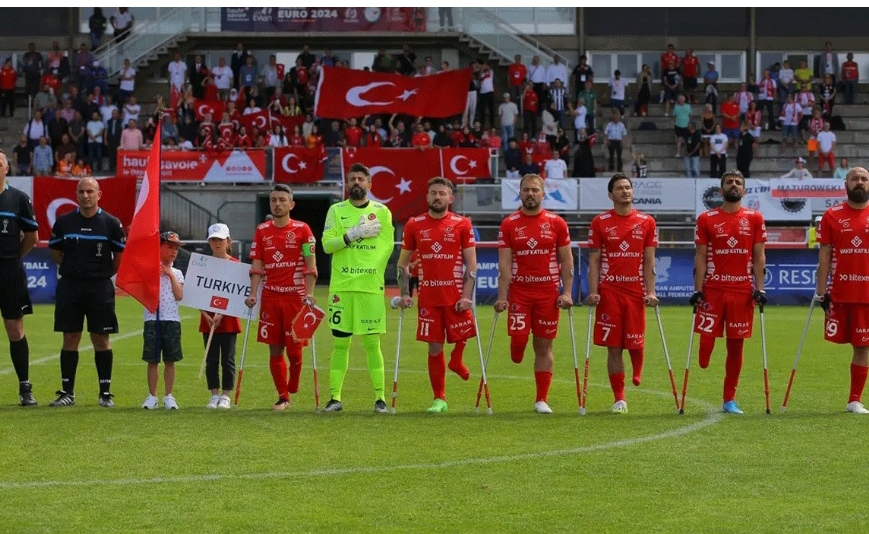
157 139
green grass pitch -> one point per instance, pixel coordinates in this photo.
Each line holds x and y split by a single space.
88 469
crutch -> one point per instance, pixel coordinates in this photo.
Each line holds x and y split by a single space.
667 356
207 347
486 363
482 362
763 349
241 363
584 396
688 361
397 354
316 379
784 404
575 360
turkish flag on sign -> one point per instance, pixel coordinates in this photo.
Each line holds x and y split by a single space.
298 165
215 107
53 197
399 177
465 164
345 93
220 303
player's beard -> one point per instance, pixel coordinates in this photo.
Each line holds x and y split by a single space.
437 208
530 203
858 195
356 192
732 195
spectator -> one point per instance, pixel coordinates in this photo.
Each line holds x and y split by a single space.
589 97
681 118
583 162
806 100
473 88
131 110
690 71
35 129
530 103
507 113
745 150
112 138
826 146
537 76
277 137
222 76
557 99
22 158
718 153
40 101
644 92
556 71
8 79
785 81
247 74
828 96
177 72
765 98
799 171
307 57
122 23
441 138
512 158
791 114
561 146
382 62
813 127
581 73
555 168
64 147
65 165
271 81
803 75
169 130
466 139
82 62
406 61
97 25
81 169
580 118
670 85
693 145
486 100
236 62
242 140
52 82
618 85
850 75
127 82
334 137
32 65
614 134
131 137
95 132
445 17
840 174
43 159
827 62
491 140
528 166
743 98
669 59
753 116
730 119
640 169
251 107
710 81
327 59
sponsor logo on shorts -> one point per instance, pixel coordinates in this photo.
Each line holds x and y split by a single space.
865 339
551 330
742 332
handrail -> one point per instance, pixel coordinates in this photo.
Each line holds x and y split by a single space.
531 42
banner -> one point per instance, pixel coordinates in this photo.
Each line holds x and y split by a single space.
465 164
53 197
487 274
215 107
560 194
184 165
813 188
758 197
298 165
650 194
346 93
322 19
218 285
41 275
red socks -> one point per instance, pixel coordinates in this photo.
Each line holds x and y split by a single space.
637 356
517 348
295 369
617 383
858 381
707 343
278 367
732 368
544 380
456 364
437 374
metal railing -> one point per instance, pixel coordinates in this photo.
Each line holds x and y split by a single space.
503 38
183 215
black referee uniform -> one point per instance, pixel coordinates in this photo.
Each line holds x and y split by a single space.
85 289
16 216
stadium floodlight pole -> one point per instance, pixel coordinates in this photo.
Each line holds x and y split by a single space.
486 363
784 404
763 350
587 356
207 348
397 355
667 356
688 361
316 379
243 354
575 360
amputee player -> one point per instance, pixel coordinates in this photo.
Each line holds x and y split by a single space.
359 235
621 280
533 255
87 244
445 244
18 231
284 262
730 252
844 258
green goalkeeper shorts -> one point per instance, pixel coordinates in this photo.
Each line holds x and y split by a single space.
357 313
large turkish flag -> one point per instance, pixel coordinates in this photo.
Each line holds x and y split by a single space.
465 164
52 197
298 164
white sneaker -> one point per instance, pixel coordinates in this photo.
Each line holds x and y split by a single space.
856 407
542 407
212 404
150 402
620 407
169 402
223 402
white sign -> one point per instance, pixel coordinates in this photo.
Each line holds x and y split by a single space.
560 194
758 196
218 285
650 194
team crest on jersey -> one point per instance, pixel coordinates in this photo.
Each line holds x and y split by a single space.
605 317
743 222
423 312
371 216
545 227
335 299
514 308
291 239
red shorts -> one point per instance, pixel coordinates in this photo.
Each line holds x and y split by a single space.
720 309
532 313
620 320
276 321
435 320
829 158
848 322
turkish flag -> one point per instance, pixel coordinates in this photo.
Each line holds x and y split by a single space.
297 165
305 323
215 107
399 177
139 273
260 119
465 164
218 302
288 122
345 93
53 197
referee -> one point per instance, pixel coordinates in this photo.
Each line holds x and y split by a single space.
87 244
16 220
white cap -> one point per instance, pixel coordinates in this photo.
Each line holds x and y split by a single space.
818 218
218 231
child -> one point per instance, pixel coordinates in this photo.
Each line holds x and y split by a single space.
222 349
171 291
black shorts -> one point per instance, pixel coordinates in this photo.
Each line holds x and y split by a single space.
681 132
14 297
689 83
76 299
671 94
170 342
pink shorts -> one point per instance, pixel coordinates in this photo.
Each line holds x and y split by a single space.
847 322
620 320
532 313
720 310
435 320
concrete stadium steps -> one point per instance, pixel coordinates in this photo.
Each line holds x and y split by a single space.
641 137
764 151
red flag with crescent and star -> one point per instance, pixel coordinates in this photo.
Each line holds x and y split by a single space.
215 107
298 165
305 322
465 164
344 93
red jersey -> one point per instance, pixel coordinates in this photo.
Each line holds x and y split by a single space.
282 251
730 238
529 101
846 230
243 141
731 108
353 135
52 81
850 72
669 61
516 74
622 241
534 240
8 78
296 140
440 243
690 65
227 324
420 139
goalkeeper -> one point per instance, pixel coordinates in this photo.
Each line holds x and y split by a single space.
359 236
